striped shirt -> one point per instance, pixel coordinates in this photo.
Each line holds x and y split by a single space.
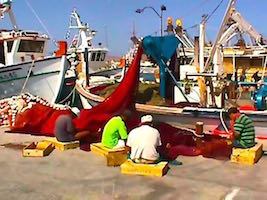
244 125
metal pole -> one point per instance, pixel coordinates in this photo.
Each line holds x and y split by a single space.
201 46
86 66
234 69
163 8
161 33
219 35
264 68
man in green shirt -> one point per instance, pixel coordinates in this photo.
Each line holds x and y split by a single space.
115 131
243 129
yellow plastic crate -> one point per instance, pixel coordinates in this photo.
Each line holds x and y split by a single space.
41 149
63 145
114 157
159 170
247 156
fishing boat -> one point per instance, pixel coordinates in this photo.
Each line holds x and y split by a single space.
25 68
93 57
232 55
187 115
23 64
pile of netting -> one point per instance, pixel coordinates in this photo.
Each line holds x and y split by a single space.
27 113
177 141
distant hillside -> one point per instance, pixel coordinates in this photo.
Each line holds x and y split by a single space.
114 58
117 58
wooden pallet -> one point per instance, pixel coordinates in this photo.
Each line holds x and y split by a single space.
63 145
247 156
114 157
158 170
40 149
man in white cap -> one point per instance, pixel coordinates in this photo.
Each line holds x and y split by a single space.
143 142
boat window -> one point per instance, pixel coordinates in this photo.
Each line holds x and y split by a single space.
103 55
9 46
98 56
2 53
93 57
31 46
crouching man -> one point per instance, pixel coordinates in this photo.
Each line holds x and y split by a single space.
143 142
242 128
65 130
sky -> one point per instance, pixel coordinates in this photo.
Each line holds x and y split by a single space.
114 19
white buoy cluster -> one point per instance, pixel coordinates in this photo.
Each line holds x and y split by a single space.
3 112
133 52
17 104
73 59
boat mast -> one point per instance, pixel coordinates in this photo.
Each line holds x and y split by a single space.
86 40
5 7
220 33
202 43
13 20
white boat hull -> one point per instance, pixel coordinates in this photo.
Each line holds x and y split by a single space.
46 78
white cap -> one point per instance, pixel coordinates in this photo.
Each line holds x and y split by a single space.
76 111
146 118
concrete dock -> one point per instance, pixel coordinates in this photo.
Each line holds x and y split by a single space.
76 174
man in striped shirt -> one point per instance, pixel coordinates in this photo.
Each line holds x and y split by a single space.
243 129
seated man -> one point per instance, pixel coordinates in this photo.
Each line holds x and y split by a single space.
65 130
243 129
115 131
243 77
143 142
256 77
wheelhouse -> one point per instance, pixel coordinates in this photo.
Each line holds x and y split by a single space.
98 56
22 46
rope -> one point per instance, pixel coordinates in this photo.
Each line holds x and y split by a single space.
193 9
174 80
40 21
210 15
72 91
222 121
191 131
73 97
190 27
155 32
27 78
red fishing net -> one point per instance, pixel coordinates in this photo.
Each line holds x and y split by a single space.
122 98
182 142
40 119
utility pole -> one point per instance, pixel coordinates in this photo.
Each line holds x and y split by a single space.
162 8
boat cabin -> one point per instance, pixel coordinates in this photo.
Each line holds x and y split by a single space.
97 58
21 46
84 41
